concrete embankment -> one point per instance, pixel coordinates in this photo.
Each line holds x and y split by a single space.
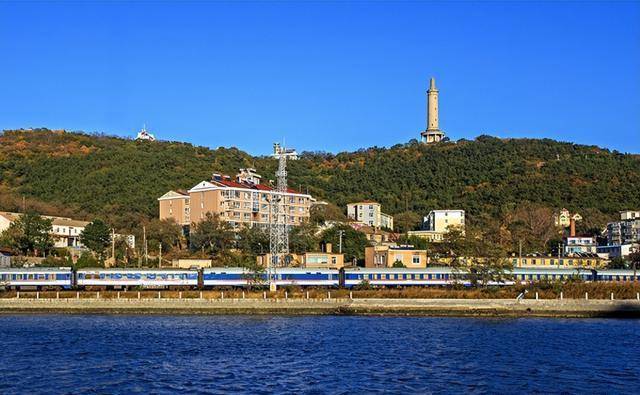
417 307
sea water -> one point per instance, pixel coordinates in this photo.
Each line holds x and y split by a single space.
316 354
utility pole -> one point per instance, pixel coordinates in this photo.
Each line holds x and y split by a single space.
144 240
24 205
520 253
340 233
159 255
113 245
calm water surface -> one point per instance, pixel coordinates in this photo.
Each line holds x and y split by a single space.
217 354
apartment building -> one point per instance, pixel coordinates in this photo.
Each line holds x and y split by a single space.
625 231
579 244
369 213
387 256
444 220
438 223
240 200
175 204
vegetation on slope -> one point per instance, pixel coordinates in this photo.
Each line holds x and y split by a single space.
120 179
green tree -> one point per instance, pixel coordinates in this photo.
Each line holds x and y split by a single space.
212 236
124 253
418 243
166 232
87 260
96 236
406 221
398 264
254 273
322 213
30 233
618 263
353 242
303 238
253 240
634 258
474 256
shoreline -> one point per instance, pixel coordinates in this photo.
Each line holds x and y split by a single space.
565 308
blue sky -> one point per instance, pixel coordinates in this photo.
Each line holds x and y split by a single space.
331 76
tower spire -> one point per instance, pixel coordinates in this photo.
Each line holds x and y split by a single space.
432 134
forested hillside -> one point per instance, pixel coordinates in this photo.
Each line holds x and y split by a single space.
119 179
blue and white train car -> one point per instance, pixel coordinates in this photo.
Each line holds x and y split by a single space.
36 277
529 275
148 278
403 276
307 277
240 277
226 276
617 275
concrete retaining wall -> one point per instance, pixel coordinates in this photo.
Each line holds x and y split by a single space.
429 307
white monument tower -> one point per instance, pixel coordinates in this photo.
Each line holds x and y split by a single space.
433 134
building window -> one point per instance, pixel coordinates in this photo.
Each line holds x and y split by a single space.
416 259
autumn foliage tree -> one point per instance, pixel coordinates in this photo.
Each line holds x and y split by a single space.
30 233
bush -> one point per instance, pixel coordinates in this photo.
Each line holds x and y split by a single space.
87 260
363 286
53 261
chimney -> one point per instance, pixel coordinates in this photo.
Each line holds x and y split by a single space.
328 248
572 227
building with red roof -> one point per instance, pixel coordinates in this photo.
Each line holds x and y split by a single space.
242 200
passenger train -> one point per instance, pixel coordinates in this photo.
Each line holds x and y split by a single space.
66 278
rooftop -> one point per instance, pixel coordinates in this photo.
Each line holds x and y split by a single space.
222 180
58 221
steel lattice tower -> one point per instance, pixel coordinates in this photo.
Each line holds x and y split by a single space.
278 232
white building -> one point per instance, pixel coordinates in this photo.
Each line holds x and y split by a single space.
65 231
369 213
143 134
438 223
444 220
617 251
629 215
579 244
623 232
